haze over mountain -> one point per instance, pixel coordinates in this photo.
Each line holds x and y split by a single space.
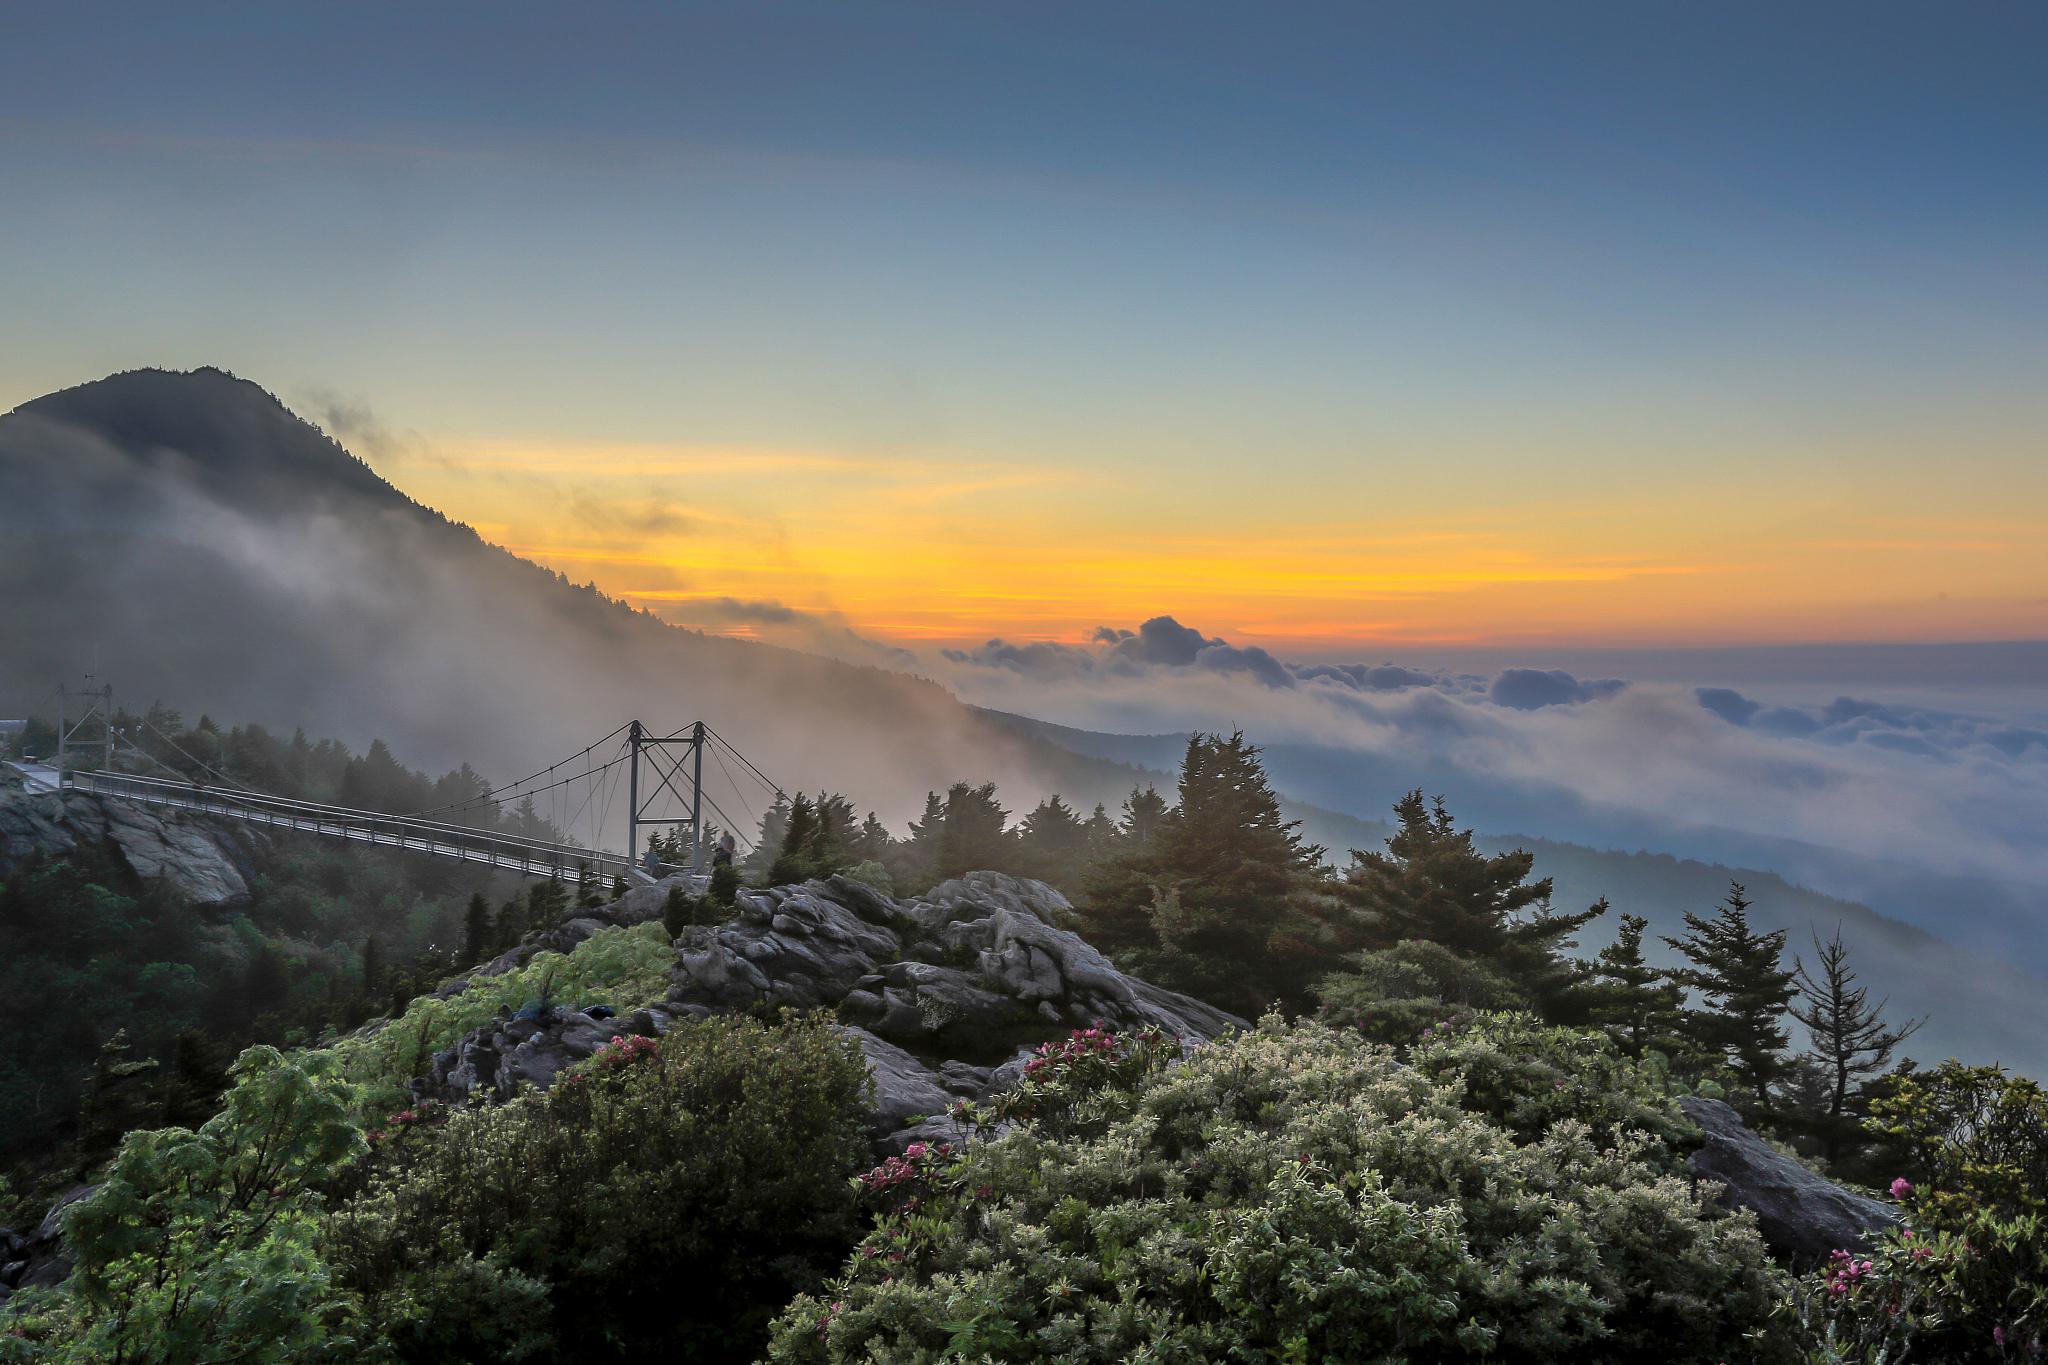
187 537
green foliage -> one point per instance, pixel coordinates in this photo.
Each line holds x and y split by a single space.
1395 995
203 1246
1527 1076
1641 1007
1968 1278
1220 898
624 967
662 1202
1736 969
1290 1194
725 884
1431 884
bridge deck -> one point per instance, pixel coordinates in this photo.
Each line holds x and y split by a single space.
530 857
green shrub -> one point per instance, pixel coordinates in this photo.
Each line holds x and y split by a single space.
625 967
667 1199
1288 1194
1395 995
203 1246
1526 1076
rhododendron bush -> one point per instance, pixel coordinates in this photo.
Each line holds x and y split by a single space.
1293 1193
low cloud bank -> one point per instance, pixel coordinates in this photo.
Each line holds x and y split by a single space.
1947 791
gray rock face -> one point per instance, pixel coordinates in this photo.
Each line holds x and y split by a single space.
206 861
38 1259
1801 1215
971 968
945 994
511 1054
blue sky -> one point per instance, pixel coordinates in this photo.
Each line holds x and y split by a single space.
1687 272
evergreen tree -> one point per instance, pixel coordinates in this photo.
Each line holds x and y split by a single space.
912 861
792 861
1735 969
197 1078
511 924
1431 885
546 899
768 842
373 964
1052 843
827 848
1847 1035
1220 897
1641 1007
873 842
973 835
1144 812
476 929
1099 835
117 1099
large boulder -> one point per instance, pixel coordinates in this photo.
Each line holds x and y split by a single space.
524 1051
966 971
946 993
205 860
1802 1216
38 1258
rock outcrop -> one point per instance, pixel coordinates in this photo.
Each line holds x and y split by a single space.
1803 1216
37 1258
946 994
206 861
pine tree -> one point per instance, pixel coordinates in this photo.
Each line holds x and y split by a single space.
1220 897
768 842
973 835
476 929
117 1099
1641 1007
373 964
1847 1035
873 841
546 899
1144 812
1052 843
197 1078
511 924
792 861
912 862
1099 836
1735 969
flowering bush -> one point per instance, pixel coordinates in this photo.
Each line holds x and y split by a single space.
1527 1076
1970 1280
1293 1193
1071 1085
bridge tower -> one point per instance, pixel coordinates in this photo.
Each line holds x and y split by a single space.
99 704
669 771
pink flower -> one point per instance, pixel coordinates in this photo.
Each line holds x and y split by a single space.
1901 1188
1998 1337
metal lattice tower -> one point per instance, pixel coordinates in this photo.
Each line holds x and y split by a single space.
98 702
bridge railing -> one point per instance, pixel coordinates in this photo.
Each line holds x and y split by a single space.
379 827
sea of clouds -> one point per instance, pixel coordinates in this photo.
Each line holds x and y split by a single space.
1943 790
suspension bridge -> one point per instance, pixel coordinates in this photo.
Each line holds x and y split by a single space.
662 772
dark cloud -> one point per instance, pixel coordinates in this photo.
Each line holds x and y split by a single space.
1162 640
1728 704
1370 677
1529 689
1033 660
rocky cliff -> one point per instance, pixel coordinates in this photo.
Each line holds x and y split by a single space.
206 861
946 994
